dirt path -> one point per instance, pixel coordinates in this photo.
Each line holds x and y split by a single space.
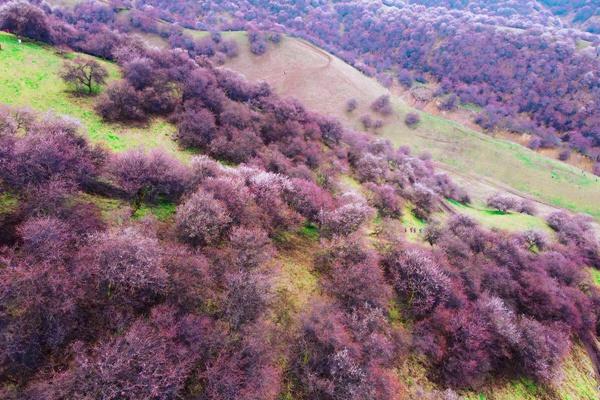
319 51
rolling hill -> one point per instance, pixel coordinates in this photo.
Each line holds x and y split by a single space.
481 163
324 82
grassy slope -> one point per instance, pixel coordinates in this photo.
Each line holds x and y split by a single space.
29 78
511 221
576 382
324 82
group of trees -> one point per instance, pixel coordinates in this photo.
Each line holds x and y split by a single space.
528 82
505 203
477 320
117 307
258 44
140 310
93 27
515 13
184 308
527 97
83 29
24 20
483 305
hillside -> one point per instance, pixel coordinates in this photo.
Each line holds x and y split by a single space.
299 69
296 283
471 51
29 78
324 82
185 232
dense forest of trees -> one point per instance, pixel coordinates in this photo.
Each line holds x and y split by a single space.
154 308
523 12
187 308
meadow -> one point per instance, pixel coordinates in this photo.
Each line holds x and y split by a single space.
29 77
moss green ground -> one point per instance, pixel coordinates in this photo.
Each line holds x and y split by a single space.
8 203
117 211
595 276
29 78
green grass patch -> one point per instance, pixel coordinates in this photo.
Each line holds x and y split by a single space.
310 231
109 207
579 382
8 203
282 239
394 313
117 211
413 226
510 221
347 182
162 211
470 107
296 283
522 389
595 276
374 227
398 315
29 77
582 44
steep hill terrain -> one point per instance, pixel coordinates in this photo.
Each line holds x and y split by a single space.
296 284
185 233
485 164
324 82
